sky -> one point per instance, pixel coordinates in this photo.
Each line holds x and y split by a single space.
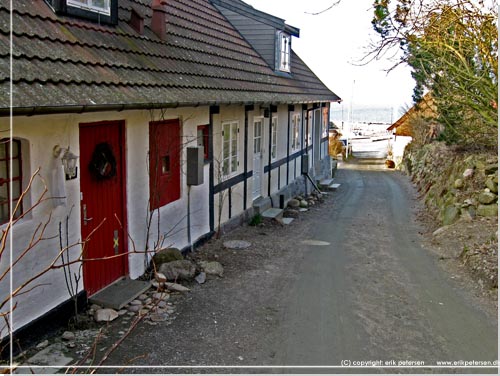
332 42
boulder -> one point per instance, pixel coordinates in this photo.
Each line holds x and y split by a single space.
487 210
487 198
459 183
68 336
491 168
212 268
178 269
167 255
468 173
303 204
491 185
294 203
105 315
450 215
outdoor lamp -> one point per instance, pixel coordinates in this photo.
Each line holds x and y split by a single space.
68 161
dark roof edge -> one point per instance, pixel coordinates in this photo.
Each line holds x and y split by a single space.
78 109
249 11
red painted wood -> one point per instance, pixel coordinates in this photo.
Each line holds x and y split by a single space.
105 203
164 162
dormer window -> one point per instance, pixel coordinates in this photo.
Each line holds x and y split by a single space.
284 42
99 6
98 11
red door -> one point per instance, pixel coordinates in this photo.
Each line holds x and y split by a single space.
102 203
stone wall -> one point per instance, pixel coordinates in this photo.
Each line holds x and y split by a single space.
454 183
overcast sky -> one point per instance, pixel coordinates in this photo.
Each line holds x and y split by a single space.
330 42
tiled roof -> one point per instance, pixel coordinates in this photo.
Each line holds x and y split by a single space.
61 62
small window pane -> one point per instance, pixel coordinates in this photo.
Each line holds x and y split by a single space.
4 213
14 151
2 150
165 165
4 192
3 170
234 164
16 190
15 168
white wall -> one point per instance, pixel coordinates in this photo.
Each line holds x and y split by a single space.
42 134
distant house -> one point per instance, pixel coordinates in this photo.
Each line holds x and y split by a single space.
129 87
425 109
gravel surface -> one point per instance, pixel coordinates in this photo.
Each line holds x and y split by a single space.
345 280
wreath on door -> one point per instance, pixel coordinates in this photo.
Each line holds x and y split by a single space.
103 163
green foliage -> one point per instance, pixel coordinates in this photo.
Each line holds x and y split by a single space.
452 48
256 220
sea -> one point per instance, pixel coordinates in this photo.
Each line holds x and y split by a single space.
363 114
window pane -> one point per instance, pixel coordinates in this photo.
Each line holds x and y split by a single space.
15 168
14 149
4 213
3 192
225 149
16 190
2 150
225 167
226 132
3 170
234 164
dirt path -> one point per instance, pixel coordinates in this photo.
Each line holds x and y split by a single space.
369 292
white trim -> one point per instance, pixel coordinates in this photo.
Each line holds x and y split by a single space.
90 6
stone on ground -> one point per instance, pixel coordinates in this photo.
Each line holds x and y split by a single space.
236 244
105 315
68 336
201 278
212 268
487 198
176 287
294 203
179 269
167 255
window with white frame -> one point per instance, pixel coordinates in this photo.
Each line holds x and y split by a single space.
274 137
325 122
100 6
284 42
295 129
10 179
229 148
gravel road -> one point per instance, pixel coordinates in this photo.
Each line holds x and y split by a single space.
348 281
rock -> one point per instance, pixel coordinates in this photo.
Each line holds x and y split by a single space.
487 198
459 183
491 168
121 312
42 345
135 302
105 314
303 204
158 317
201 278
161 296
176 287
179 269
212 268
299 198
468 173
167 255
294 203
68 336
160 277
161 304
134 308
71 345
236 244
450 215
440 230
491 185
143 297
291 213
487 210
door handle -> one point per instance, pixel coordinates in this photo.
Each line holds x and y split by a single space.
85 219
